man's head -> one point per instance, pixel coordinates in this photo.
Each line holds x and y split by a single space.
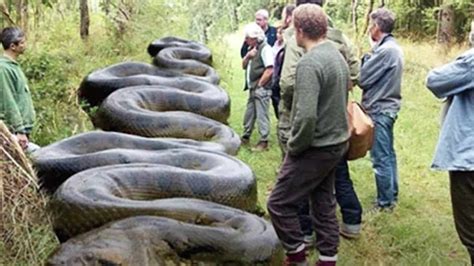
253 34
311 23
13 39
317 2
287 15
382 21
261 18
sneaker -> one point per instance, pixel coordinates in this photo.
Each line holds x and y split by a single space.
309 241
296 259
244 141
261 146
325 263
350 231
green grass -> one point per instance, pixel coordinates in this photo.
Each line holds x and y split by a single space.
421 230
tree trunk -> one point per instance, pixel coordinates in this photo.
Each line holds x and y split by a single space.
6 14
471 35
355 4
19 12
24 15
445 30
83 7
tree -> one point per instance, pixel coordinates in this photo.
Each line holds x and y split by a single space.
445 29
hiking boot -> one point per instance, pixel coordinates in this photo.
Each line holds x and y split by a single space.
244 141
309 241
296 259
350 231
261 146
376 209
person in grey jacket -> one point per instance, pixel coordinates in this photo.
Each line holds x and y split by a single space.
380 80
455 149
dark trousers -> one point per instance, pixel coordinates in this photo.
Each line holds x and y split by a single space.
308 175
346 197
462 198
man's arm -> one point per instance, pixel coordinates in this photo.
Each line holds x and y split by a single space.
373 68
266 77
352 60
304 113
452 78
268 61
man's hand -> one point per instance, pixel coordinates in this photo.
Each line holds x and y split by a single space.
22 140
252 53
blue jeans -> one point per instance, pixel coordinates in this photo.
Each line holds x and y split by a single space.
384 159
346 197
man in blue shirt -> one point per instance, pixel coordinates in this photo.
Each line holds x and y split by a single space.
380 80
261 18
455 149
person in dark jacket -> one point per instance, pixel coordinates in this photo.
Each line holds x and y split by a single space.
261 18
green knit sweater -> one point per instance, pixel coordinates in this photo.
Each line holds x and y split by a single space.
318 115
16 106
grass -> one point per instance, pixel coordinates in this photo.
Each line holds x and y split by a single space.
421 230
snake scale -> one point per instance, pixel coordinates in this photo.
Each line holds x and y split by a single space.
158 186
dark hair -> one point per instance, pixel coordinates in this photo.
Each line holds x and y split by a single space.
384 18
317 2
11 35
289 10
312 20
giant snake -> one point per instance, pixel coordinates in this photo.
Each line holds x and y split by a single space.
167 193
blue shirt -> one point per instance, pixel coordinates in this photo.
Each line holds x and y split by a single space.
381 77
455 149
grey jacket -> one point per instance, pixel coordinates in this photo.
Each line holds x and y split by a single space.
381 77
455 149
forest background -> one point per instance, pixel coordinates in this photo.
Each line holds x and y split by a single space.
67 39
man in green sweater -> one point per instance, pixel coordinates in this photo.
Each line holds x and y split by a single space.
351 209
317 142
16 106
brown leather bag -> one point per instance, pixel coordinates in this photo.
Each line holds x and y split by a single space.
361 129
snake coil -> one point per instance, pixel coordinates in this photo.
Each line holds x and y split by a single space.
156 186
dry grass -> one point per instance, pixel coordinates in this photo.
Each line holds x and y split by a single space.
21 206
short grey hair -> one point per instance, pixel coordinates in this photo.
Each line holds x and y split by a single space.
263 13
11 35
384 18
254 31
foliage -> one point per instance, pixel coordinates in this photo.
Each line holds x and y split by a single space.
414 18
